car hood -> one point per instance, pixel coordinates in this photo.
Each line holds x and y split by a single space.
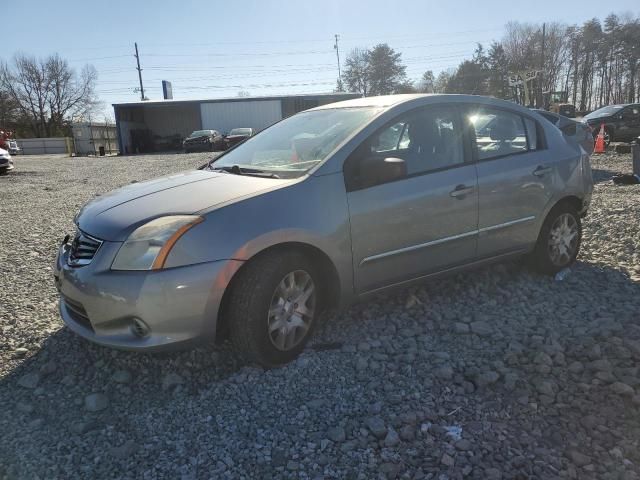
191 139
3 152
115 215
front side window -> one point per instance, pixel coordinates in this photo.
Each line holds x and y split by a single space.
498 133
423 140
427 139
293 146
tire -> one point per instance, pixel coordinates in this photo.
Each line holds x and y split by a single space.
3 171
608 136
258 315
559 240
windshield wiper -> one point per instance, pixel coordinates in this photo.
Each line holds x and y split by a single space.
253 172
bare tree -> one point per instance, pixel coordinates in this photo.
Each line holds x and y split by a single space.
69 94
47 92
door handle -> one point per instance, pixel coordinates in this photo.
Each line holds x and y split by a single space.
460 191
541 171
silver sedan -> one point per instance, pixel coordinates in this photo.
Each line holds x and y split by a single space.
323 208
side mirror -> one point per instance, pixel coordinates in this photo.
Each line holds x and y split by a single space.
376 171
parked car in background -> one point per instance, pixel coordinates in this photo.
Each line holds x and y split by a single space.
323 208
200 140
237 135
573 129
621 122
14 149
6 162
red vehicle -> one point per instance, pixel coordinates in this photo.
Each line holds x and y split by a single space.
238 135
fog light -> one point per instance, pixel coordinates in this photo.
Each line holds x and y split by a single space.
139 328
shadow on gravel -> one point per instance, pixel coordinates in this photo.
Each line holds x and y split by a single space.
21 173
603 175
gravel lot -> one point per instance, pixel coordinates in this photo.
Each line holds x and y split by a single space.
498 373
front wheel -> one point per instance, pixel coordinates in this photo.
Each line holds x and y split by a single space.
559 240
273 307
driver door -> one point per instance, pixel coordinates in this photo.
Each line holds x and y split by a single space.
423 222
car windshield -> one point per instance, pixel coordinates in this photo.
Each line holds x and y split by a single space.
293 146
604 111
240 131
200 133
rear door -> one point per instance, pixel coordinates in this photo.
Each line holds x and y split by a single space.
515 176
423 222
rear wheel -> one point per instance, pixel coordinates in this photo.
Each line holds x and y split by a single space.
273 307
559 240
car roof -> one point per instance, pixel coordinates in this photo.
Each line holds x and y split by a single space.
389 101
377 101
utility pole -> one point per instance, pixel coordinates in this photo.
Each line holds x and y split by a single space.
139 72
338 57
540 95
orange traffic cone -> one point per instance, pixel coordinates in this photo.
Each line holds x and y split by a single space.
600 146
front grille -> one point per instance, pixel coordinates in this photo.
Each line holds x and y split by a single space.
77 312
83 249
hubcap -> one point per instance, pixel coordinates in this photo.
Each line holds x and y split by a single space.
563 239
292 310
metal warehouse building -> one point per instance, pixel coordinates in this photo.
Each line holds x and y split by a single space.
161 125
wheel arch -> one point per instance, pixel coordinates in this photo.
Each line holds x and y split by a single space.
328 270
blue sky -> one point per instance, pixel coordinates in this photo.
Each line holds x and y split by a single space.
214 49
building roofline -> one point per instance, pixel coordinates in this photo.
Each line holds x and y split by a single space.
235 99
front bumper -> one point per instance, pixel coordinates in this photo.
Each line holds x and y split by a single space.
6 163
178 305
197 146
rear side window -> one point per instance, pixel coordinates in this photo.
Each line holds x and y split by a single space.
498 133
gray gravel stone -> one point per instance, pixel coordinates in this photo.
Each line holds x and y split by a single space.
96 402
487 378
392 439
171 380
622 389
481 328
377 426
336 434
30 380
579 459
122 376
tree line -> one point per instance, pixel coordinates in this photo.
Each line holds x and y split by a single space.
596 63
40 97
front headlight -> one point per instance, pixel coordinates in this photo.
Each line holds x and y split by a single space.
148 247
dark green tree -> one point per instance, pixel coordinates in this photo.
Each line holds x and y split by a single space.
387 74
355 74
